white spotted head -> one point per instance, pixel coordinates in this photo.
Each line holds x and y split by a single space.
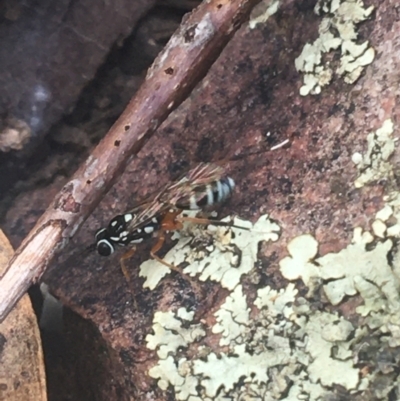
104 245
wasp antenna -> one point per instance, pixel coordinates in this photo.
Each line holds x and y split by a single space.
241 156
90 248
219 223
83 252
280 145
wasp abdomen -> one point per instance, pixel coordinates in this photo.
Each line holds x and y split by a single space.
208 195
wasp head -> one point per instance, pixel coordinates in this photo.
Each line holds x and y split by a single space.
113 234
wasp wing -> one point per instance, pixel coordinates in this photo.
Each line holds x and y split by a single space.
203 186
201 175
144 214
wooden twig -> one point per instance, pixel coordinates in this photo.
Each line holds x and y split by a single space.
184 61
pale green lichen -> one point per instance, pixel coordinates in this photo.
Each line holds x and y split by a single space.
302 251
370 267
283 338
348 272
393 202
375 164
232 318
385 213
379 228
167 374
280 341
262 11
275 302
353 270
222 372
280 346
229 253
337 30
171 330
323 331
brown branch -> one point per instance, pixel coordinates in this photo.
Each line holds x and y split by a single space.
184 61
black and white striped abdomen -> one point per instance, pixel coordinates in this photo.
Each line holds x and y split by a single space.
208 195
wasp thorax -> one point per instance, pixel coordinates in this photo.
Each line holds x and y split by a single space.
120 231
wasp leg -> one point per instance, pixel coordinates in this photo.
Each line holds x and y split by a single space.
127 255
170 223
157 247
205 221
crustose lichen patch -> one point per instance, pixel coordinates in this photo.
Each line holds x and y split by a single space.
279 345
283 341
337 31
218 260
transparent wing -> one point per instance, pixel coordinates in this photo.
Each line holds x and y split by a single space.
192 186
143 213
188 192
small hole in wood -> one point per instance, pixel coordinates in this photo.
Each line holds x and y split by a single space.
189 34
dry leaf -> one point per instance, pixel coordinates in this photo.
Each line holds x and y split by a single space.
22 374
